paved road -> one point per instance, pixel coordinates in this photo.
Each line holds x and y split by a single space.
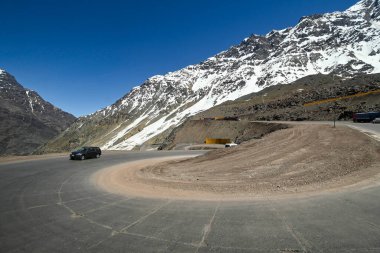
372 130
51 206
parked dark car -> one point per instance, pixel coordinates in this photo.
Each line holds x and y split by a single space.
365 116
85 153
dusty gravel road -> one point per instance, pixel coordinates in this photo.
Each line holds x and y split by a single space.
302 159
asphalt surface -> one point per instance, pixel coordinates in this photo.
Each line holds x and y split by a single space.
52 206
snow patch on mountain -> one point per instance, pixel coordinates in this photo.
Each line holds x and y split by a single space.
121 133
29 100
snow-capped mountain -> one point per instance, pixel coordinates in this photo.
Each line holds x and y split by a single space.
26 120
345 43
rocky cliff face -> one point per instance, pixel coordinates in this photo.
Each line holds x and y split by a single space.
345 43
26 120
315 97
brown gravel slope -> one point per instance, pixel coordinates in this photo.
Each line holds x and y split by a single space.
196 131
303 158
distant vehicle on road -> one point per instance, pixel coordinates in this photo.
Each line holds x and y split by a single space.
365 116
376 121
85 153
229 145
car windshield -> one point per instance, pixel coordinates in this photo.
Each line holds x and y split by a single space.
80 150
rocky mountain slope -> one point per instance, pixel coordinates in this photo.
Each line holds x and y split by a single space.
26 120
344 43
315 97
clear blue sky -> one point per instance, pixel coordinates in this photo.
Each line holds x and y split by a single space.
84 55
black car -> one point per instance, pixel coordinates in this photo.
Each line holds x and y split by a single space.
85 153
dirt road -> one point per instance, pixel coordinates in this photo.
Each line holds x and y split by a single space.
301 159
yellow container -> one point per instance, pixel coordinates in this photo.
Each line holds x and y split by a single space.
217 141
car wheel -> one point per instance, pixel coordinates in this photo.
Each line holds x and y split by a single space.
97 156
82 157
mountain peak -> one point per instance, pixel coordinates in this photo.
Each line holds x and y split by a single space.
28 118
364 5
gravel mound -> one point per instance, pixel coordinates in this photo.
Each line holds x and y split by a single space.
300 159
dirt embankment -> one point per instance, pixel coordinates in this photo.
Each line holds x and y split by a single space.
304 158
196 131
